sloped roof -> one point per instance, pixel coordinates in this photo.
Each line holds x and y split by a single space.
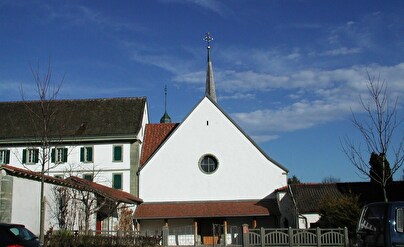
155 135
104 191
73 118
76 183
308 196
202 209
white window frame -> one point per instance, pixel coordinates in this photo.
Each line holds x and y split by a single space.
59 154
85 158
113 153
113 180
3 155
31 155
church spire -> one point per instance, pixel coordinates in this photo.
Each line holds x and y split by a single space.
165 118
210 83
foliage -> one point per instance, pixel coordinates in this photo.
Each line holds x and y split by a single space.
293 180
126 220
379 168
71 240
340 211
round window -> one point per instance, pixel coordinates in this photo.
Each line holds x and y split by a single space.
208 163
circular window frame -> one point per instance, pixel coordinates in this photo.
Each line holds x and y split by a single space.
212 157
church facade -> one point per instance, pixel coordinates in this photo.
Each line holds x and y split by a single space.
206 171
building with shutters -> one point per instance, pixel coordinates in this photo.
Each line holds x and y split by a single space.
96 139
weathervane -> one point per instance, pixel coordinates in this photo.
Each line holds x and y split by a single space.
208 39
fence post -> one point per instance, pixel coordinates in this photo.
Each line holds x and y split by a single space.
290 231
262 236
246 237
165 236
346 236
318 233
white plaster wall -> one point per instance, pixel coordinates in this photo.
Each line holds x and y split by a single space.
173 173
308 218
26 204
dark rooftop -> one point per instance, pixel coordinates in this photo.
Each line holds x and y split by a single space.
85 118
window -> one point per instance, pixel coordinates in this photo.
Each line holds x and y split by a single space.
4 156
88 177
30 156
59 155
117 181
208 163
86 154
117 153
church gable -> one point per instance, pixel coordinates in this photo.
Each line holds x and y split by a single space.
206 152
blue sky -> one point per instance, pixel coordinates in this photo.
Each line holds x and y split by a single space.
288 72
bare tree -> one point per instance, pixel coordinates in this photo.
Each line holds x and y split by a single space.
378 132
330 180
42 117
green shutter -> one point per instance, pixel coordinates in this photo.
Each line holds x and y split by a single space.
81 154
89 154
117 153
36 155
117 181
24 156
53 155
7 158
65 154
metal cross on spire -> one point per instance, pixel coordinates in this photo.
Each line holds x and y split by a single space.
208 39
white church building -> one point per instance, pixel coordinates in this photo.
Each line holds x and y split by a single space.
202 172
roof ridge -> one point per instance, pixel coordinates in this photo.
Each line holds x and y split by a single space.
72 100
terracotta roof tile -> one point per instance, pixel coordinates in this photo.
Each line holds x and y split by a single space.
164 210
76 183
155 135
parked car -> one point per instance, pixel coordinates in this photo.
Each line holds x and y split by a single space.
16 235
381 224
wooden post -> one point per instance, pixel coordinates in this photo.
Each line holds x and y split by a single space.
225 232
195 233
246 240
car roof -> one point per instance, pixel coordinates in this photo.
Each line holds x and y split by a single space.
2 224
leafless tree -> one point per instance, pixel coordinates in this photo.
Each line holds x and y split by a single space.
331 180
42 117
378 130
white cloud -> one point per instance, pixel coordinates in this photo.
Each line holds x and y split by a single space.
211 5
334 97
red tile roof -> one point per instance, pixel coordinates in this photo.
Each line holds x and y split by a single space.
104 191
76 183
164 210
155 135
